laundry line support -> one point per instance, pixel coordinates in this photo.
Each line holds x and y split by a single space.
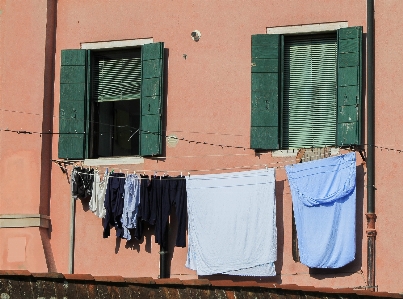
164 265
72 234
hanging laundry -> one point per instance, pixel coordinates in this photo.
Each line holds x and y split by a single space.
114 204
98 194
81 182
158 196
143 214
324 203
232 223
131 204
170 192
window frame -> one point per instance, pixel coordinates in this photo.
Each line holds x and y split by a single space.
283 138
94 105
75 78
266 116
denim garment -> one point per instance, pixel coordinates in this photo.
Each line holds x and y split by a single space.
131 204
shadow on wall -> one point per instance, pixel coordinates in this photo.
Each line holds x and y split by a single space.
280 227
133 244
47 248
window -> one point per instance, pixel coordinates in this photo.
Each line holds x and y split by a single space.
306 90
116 81
111 102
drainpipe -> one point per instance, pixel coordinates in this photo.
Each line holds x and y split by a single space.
72 233
371 216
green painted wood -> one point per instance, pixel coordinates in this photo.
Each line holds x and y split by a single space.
150 106
151 87
349 86
73 57
265 91
72 111
88 105
152 64
72 74
309 101
264 137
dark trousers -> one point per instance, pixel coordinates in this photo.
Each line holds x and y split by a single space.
114 200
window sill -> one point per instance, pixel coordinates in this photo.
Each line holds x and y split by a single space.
293 152
285 153
114 161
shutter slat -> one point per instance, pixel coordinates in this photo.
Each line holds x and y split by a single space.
349 92
266 91
152 92
73 131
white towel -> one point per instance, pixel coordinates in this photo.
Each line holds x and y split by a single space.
98 194
232 223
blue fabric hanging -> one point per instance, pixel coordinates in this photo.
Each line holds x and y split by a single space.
324 203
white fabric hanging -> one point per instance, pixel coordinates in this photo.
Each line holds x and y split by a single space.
232 223
98 194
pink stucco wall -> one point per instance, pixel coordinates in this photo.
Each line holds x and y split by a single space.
388 94
208 100
22 89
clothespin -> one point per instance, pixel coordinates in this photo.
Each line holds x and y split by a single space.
189 174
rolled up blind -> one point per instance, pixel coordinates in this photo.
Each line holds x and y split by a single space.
117 75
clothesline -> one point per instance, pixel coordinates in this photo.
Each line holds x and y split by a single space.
126 204
276 165
138 177
223 188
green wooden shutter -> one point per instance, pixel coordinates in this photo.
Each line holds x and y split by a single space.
152 69
266 79
309 100
349 78
73 137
